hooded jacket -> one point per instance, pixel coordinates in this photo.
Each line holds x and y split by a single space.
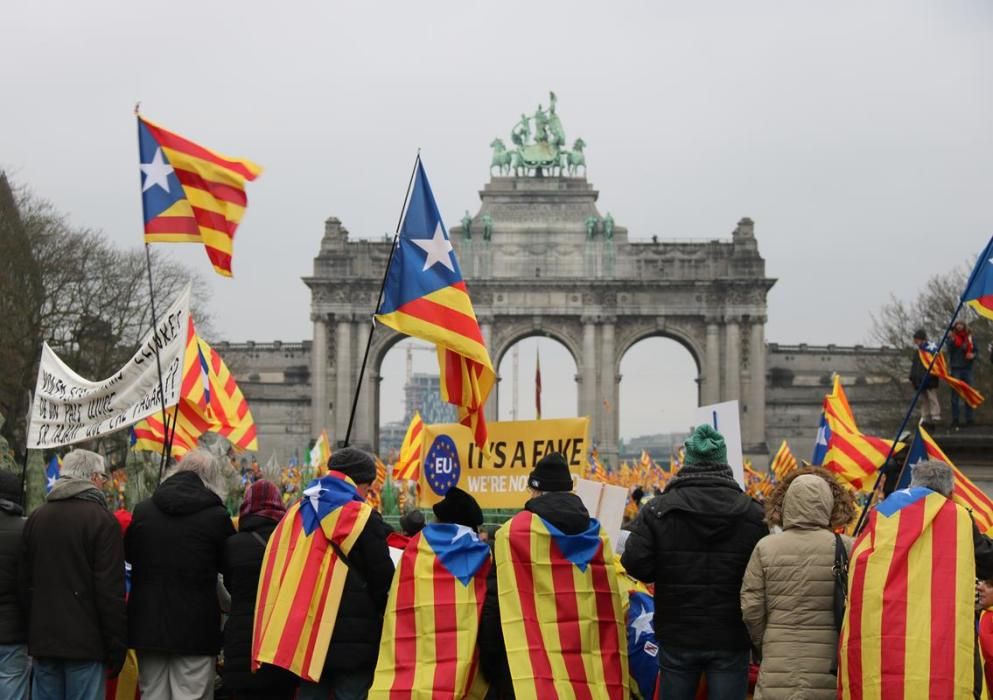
787 597
566 512
693 542
175 545
72 576
12 628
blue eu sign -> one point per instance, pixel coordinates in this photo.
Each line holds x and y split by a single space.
441 465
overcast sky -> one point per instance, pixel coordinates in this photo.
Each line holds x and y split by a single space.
859 136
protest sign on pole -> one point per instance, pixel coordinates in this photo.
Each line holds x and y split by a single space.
606 503
68 408
501 479
726 419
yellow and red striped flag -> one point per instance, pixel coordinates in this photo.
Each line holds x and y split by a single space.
851 454
210 401
908 630
577 647
428 648
968 392
425 296
408 464
303 577
191 194
783 463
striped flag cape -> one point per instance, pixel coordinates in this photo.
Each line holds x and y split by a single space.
851 454
784 462
190 194
408 464
561 611
210 401
428 649
426 297
964 492
303 577
908 630
968 393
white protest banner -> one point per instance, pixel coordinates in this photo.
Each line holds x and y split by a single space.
605 502
726 419
68 408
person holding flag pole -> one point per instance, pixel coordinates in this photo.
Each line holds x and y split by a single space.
978 294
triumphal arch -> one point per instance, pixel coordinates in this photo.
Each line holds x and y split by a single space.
540 258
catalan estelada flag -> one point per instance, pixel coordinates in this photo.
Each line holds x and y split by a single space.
909 629
784 462
210 401
408 464
426 297
428 648
851 454
979 289
576 647
968 393
643 647
964 492
191 194
303 577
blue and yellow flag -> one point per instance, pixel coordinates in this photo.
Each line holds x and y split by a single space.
303 577
577 646
428 648
426 297
52 472
908 630
979 289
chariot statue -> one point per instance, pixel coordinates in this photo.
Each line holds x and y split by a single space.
544 154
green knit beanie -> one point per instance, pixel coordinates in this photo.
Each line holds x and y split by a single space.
705 446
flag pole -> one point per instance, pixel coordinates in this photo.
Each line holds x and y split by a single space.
166 446
906 419
379 302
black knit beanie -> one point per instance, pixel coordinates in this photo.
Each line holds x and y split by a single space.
551 473
460 508
353 463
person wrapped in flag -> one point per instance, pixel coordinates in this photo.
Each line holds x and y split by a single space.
930 405
553 624
324 584
430 631
909 629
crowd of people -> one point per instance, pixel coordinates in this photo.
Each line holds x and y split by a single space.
321 600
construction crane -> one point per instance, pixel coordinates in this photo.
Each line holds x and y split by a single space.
410 348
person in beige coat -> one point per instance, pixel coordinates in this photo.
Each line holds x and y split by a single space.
787 595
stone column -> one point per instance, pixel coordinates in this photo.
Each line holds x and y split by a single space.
732 361
587 385
319 372
712 365
756 395
343 381
362 430
608 391
491 407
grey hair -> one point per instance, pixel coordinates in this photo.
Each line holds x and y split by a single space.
207 466
82 464
934 475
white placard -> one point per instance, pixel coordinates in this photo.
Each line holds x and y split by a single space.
68 408
605 502
726 419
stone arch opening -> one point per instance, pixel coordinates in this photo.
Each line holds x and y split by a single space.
658 392
559 373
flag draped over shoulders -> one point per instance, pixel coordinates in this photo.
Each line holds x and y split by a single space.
561 611
303 576
428 648
908 628
969 394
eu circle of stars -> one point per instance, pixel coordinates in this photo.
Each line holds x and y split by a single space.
440 482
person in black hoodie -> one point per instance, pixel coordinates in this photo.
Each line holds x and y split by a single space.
694 542
175 545
261 510
551 485
72 582
15 672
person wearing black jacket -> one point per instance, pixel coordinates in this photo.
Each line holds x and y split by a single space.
175 545
930 406
554 502
261 510
72 582
15 672
351 660
694 542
